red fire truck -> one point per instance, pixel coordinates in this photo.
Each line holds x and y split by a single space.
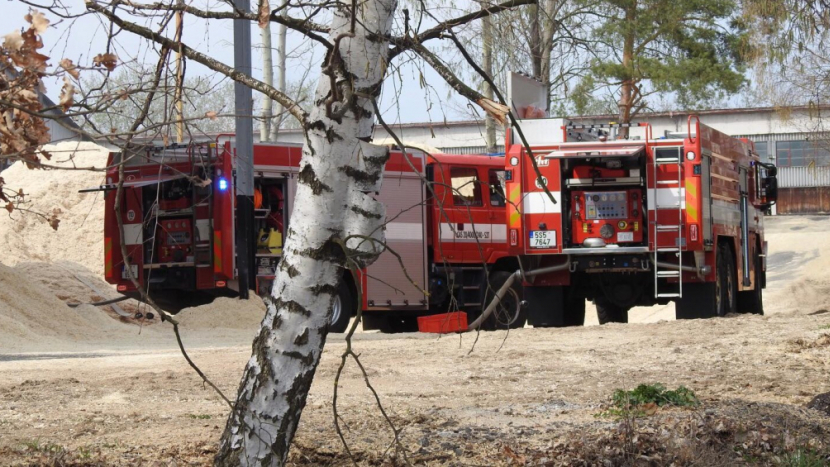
445 220
637 222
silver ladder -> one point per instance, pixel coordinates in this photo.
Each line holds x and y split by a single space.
676 247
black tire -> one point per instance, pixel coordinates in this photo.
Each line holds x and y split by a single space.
341 309
574 308
729 285
708 300
509 313
752 301
608 312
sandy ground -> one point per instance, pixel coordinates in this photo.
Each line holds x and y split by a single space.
530 397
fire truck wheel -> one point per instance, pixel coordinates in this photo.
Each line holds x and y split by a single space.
509 313
752 301
608 312
574 308
341 309
726 285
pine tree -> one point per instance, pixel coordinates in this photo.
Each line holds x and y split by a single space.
691 48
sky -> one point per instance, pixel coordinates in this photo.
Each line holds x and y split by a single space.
403 100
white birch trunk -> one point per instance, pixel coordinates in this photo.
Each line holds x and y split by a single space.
281 36
337 171
268 79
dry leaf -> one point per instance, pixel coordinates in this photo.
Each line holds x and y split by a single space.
211 115
107 60
70 68
53 222
10 207
13 41
67 97
650 409
39 22
264 13
516 457
165 140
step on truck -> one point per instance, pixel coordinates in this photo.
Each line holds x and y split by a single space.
636 222
445 219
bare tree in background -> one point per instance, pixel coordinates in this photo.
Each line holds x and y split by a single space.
550 41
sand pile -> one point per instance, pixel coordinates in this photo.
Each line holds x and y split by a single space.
80 236
31 313
71 283
34 316
224 313
797 264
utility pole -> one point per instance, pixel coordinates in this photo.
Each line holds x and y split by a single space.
244 152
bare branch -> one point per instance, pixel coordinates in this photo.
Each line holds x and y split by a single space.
405 43
293 108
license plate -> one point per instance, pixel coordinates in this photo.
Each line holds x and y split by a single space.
126 275
542 239
625 236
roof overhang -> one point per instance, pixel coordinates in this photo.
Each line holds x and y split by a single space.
620 151
136 183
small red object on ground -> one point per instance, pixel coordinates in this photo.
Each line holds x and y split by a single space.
443 323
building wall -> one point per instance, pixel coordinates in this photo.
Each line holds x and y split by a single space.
804 200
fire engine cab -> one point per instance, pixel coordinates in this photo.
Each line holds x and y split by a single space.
445 221
637 221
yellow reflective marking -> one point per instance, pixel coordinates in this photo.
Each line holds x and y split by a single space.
691 201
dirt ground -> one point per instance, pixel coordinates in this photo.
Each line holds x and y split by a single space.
528 397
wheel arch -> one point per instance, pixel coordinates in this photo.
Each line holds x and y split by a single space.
733 243
505 263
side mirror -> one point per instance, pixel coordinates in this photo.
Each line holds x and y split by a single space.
771 189
770 186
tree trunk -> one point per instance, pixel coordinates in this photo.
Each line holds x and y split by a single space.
487 90
337 171
281 36
535 41
267 78
627 90
549 27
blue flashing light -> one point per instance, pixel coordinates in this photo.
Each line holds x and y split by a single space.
223 184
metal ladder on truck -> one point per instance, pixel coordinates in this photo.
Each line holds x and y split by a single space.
677 241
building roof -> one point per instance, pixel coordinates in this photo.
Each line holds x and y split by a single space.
728 111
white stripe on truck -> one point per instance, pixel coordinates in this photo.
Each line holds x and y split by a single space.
538 202
404 231
482 233
667 198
